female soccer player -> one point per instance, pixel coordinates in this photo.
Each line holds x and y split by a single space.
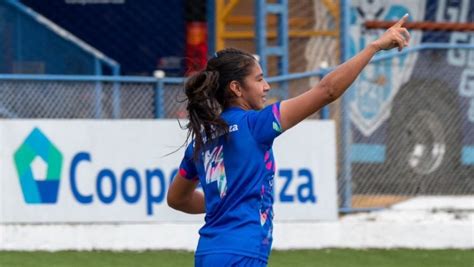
231 149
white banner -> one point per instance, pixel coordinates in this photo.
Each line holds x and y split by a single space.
119 171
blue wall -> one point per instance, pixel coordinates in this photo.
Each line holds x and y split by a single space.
137 34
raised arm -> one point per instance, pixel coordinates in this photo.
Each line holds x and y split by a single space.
333 85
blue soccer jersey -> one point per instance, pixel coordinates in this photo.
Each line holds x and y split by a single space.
236 173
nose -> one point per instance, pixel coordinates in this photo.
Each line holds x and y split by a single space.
266 86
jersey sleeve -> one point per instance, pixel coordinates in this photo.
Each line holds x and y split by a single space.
265 124
187 168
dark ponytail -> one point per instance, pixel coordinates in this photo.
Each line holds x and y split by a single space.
203 108
208 94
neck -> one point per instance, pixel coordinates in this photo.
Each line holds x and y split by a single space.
239 103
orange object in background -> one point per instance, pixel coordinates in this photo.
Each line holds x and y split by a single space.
196 46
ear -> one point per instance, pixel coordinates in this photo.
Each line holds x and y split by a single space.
236 88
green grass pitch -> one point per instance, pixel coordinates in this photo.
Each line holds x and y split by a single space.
294 258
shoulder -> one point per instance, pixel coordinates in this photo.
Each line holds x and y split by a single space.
189 149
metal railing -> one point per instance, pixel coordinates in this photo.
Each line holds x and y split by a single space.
34 40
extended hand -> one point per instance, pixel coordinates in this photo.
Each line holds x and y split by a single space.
395 36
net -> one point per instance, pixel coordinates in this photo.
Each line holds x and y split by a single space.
410 114
90 100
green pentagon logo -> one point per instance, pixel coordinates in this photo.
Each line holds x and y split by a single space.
38 190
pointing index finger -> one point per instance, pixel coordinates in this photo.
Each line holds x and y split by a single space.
401 21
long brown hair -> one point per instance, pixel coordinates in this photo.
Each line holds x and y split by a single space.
208 94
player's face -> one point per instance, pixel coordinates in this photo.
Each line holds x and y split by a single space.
255 88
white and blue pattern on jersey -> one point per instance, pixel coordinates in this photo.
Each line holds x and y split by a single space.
266 198
215 169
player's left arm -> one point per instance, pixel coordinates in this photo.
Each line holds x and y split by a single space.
183 196
333 85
